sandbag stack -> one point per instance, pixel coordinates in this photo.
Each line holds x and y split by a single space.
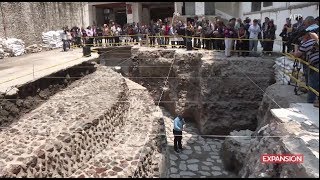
52 39
11 47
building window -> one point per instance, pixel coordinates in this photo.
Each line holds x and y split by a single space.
266 4
255 6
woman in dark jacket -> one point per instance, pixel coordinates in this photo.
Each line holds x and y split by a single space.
270 36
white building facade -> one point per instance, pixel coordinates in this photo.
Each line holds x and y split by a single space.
143 12
278 11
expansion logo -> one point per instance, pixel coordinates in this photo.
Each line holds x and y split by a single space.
282 158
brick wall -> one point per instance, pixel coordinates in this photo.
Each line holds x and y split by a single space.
27 20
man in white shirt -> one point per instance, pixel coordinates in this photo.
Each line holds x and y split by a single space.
254 31
90 36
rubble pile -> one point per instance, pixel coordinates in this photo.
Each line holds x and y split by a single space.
52 39
33 48
11 47
286 130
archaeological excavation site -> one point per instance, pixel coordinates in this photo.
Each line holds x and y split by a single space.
112 116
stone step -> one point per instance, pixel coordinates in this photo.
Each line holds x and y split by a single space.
132 152
69 129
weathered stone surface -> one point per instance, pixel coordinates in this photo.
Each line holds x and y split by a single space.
37 17
235 149
193 167
197 80
287 134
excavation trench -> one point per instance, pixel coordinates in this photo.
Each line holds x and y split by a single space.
219 95
31 95
86 130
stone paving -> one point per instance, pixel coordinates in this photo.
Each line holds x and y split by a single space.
200 156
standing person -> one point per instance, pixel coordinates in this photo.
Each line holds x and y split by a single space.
99 36
296 26
270 35
113 31
178 123
219 33
260 33
254 31
242 34
286 34
264 29
238 24
189 33
94 31
309 49
78 37
117 35
106 33
167 33
228 33
172 33
152 30
69 36
64 37
197 40
84 36
90 36
246 42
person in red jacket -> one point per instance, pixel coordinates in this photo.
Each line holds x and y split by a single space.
166 33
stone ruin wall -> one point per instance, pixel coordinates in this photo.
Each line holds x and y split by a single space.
194 86
36 149
241 153
27 20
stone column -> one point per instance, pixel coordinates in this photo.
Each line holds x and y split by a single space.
137 12
145 15
86 15
129 12
178 7
199 8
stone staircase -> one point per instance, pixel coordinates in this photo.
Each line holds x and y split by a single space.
85 127
134 151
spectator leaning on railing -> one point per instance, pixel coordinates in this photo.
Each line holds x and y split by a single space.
310 49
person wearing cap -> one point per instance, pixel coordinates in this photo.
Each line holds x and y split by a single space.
310 24
309 50
178 123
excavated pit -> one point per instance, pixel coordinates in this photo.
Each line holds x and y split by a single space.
31 95
218 94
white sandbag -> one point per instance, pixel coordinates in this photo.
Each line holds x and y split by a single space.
52 39
13 46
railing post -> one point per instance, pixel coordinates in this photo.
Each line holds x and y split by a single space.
147 40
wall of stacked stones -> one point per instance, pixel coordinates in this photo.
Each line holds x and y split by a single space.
27 20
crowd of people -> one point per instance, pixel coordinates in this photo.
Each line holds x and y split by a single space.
241 36
205 34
